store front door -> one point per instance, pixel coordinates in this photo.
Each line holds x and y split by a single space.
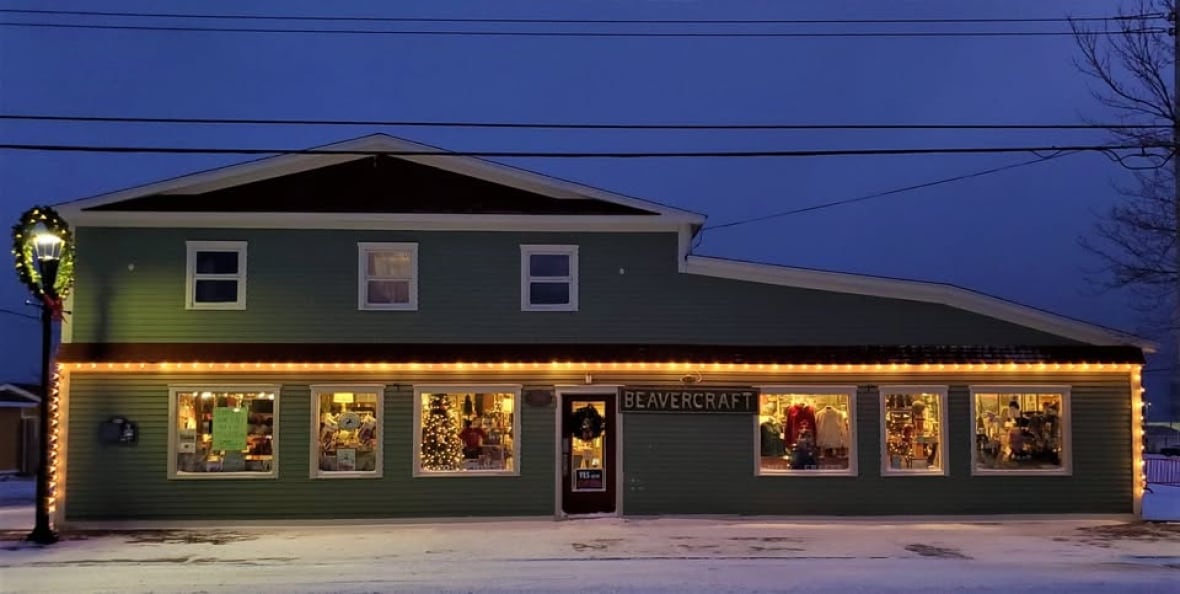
589 477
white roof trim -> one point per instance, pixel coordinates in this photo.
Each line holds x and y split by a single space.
280 165
928 292
19 391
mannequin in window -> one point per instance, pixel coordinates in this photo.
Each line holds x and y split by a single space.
772 437
831 429
472 438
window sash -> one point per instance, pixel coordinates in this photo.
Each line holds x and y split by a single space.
1065 421
848 392
174 449
331 390
943 455
529 279
422 391
193 278
365 279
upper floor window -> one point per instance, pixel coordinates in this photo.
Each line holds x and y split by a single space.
216 275
388 274
549 278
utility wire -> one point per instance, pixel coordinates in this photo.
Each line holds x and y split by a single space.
585 34
565 125
379 19
19 314
568 155
874 195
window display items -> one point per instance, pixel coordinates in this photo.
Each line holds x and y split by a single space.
1019 431
348 437
462 432
804 432
587 426
442 448
226 431
913 426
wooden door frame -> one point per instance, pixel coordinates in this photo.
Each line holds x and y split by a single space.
614 424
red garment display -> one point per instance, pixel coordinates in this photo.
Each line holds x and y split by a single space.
799 416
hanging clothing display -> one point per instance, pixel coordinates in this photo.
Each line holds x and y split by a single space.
799 417
831 428
772 438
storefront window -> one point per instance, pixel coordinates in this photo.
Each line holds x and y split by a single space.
224 432
914 430
806 430
1020 429
467 431
347 423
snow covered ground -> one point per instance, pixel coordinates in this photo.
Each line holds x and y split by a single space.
658 556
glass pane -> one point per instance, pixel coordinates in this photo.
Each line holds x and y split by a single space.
588 455
805 431
224 432
549 265
215 291
390 264
1018 431
913 426
467 432
349 435
217 262
549 293
389 292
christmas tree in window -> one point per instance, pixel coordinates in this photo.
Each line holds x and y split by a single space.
441 447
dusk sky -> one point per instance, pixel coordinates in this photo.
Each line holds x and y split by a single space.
1012 234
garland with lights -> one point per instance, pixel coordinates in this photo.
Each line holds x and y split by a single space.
23 252
586 423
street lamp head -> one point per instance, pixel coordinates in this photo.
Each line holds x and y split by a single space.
47 245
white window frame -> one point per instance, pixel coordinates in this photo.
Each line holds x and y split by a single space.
318 390
526 277
943 429
364 248
818 390
175 389
1066 428
191 276
416 461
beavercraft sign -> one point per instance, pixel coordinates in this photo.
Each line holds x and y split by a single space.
690 400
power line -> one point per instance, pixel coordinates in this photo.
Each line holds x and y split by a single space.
565 125
570 155
874 195
19 314
585 34
380 19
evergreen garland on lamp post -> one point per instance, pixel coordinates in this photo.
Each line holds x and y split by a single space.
43 251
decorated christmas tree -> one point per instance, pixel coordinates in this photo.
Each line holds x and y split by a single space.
441 447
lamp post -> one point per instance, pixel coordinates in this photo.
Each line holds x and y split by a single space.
44 262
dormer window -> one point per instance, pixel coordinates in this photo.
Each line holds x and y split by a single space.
549 278
216 275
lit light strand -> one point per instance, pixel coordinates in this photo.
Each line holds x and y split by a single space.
53 404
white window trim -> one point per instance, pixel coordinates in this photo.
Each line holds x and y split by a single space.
362 298
1066 428
318 390
174 389
191 277
526 277
819 390
416 461
943 430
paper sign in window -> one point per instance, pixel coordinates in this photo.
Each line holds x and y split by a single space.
229 428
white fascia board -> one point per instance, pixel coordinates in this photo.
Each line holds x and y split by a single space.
270 167
23 393
927 292
377 221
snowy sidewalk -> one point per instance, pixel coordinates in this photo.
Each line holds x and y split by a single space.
610 555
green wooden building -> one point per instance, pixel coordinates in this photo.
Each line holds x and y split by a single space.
358 336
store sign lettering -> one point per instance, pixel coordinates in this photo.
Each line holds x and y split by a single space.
690 400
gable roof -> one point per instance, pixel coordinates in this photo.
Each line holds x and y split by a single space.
911 290
280 184
19 395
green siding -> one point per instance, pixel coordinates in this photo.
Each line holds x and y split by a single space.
106 482
694 464
302 287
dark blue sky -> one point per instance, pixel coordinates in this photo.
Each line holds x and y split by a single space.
1012 234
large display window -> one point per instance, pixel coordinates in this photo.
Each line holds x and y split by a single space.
466 430
913 430
347 423
806 430
223 432
1020 430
